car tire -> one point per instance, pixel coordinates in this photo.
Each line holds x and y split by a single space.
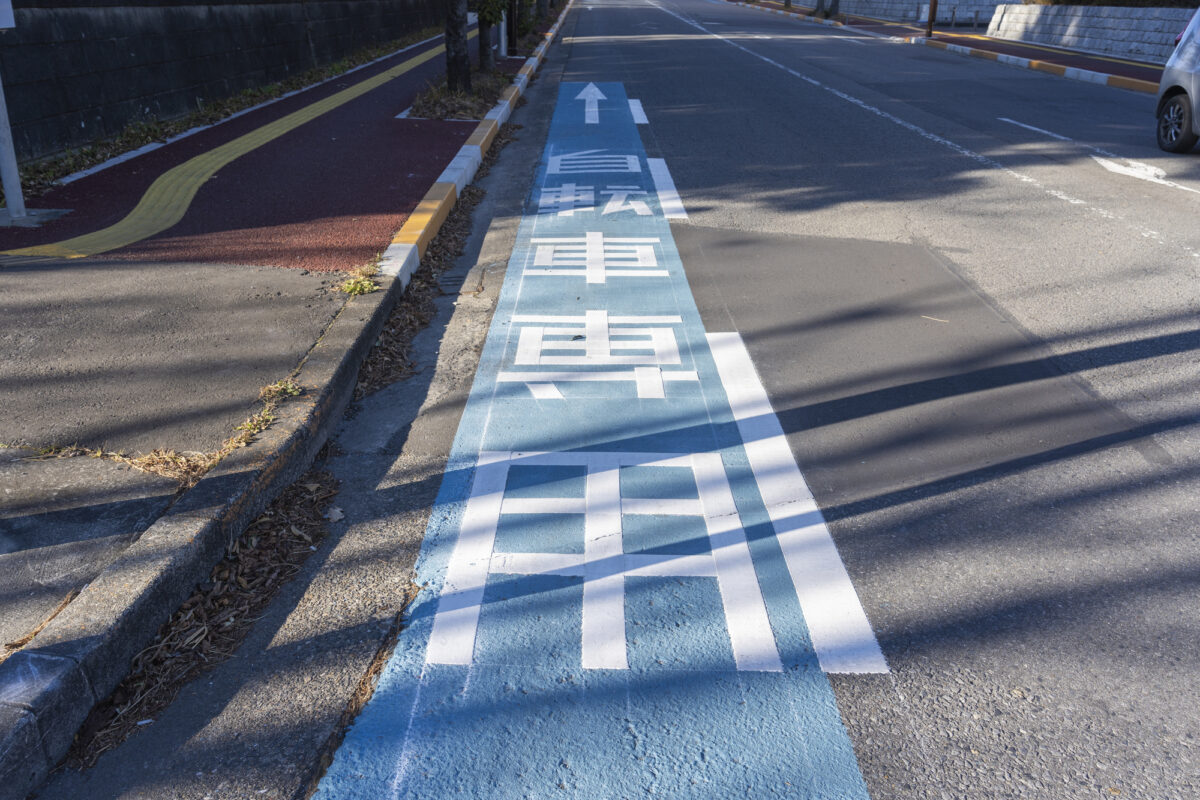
1175 125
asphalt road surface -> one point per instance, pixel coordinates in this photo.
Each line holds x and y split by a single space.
970 293
976 320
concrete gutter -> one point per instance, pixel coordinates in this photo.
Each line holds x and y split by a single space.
1088 76
48 688
1074 73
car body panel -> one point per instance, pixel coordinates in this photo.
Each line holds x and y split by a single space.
1183 70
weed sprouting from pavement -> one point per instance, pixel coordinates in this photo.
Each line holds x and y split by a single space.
279 390
187 468
358 286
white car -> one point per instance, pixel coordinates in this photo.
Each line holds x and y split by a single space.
1178 92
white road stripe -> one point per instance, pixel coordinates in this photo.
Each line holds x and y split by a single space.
1130 169
750 635
603 588
639 113
1035 130
933 137
452 640
841 634
668 197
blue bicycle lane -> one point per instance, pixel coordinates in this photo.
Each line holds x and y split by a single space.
628 590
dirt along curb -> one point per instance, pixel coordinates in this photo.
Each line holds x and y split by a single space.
1074 73
48 688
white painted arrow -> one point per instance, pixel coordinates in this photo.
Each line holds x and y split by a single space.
591 97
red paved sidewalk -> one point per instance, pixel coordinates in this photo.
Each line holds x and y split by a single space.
328 195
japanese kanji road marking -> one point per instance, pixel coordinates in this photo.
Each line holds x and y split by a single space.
596 257
603 565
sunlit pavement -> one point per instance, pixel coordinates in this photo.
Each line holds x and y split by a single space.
921 254
967 293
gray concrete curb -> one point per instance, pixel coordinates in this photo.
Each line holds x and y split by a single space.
48 689
1074 73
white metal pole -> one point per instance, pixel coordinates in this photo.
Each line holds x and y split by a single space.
9 175
504 35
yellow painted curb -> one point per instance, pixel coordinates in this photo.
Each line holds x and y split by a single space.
1116 81
423 224
1134 84
1046 66
426 220
485 133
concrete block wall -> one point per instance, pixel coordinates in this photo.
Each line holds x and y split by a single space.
1144 34
74 74
912 10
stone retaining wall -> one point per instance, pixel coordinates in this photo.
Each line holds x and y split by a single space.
914 10
76 73
1143 34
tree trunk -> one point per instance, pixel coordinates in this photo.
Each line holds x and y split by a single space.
458 59
522 17
487 56
833 7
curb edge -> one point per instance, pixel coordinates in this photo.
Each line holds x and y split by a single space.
1074 73
47 690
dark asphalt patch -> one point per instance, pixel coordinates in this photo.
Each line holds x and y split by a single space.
885 369
1011 537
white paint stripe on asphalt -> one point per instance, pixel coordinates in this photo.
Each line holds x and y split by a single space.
1143 172
750 635
1130 169
841 634
668 197
1058 194
1042 131
639 113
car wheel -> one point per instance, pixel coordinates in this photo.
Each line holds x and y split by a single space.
1175 125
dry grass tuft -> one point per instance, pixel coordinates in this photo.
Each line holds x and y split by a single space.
187 468
211 624
438 102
